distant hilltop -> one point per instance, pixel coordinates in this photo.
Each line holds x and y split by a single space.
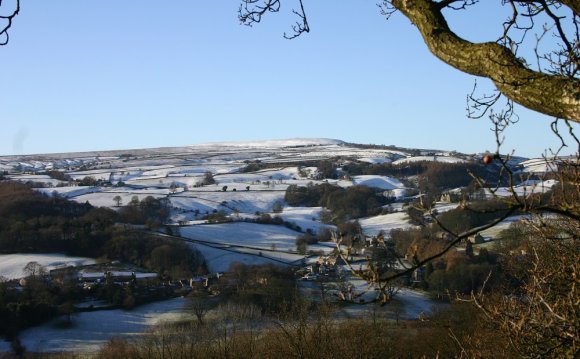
282 143
292 142
293 150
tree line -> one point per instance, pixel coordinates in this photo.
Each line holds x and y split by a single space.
344 203
33 222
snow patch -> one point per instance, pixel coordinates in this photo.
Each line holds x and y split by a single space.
444 159
12 265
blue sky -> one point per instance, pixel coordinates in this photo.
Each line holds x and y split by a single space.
80 76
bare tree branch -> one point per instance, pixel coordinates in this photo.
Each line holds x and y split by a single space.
6 21
556 96
251 12
301 26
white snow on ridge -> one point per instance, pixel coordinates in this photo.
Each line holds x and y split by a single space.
444 159
525 189
69 192
538 165
380 182
375 160
295 142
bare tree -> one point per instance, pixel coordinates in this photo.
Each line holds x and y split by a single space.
118 200
199 306
34 269
541 318
68 309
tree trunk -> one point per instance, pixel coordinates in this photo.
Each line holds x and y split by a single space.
552 95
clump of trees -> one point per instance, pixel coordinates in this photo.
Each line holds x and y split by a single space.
208 179
253 166
36 303
350 203
150 211
455 273
217 217
309 196
89 181
59 175
265 218
439 176
33 222
169 257
476 214
304 240
268 287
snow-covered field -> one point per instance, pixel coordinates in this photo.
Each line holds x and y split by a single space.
380 182
373 225
221 259
44 179
538 165
252 243
445 159
258 236
69 192
441 207
242 201
308 218
525 189
12 265
416 304
496 230
105 199
91 330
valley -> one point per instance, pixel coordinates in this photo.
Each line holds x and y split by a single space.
289 203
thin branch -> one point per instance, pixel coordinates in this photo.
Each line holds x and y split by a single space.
387 9
479 105
456 4
8 18
252 11
301 26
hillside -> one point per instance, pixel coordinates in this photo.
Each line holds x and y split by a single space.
249 179
274 204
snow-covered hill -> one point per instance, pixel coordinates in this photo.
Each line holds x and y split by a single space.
294 142
250 180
